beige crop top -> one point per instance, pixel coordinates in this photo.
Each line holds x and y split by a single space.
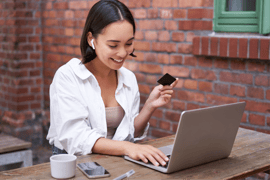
114 116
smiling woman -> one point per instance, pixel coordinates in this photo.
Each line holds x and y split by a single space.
94 101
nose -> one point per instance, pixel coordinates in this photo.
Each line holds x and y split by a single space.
122 53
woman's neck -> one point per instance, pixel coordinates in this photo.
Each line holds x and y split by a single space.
97 68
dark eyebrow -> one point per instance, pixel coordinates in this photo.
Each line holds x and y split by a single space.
119 41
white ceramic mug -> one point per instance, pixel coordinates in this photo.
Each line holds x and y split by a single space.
63 166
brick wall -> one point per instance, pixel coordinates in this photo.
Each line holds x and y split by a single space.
21 79
46 34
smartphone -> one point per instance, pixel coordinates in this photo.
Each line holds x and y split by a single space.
93 170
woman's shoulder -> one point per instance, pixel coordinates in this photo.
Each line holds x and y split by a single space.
67 71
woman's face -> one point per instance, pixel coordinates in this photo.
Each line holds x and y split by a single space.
114 44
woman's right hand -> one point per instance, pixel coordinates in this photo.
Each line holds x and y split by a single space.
145 153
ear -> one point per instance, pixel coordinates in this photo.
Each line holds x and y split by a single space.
89 38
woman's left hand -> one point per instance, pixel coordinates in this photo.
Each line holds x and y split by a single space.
161 95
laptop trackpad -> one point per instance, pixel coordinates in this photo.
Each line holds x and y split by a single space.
167 150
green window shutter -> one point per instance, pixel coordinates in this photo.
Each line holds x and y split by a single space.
235 21
264 26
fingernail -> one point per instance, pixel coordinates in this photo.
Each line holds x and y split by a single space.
156 164
167 159
163 163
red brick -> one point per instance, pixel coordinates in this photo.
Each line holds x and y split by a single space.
203 74
191 106
244 118
190 61
140 77
165 13
256 66
150 68
191 3
171 25
264 49
256 106
150 24
151 79
152 13
223 47
179 105
139 35
145 89
205 86
200 13
185 48
238 65
243 44
139 3
150 57
140 13
268 94
191 96
268 121
196 45
165 125
204 46
237 78
176 59
153 122
190 84
214 46
253 48
158 113
216 100
172 116
221 88
190 36
256 119
205 62
165 47
165 3
262 80
255 92
163 58
237 91
143 46
233 47
179 13
163 36
77 5
176 71
195 25
151 35
64 5
178 36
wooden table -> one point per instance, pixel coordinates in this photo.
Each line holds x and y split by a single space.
250 154
14 150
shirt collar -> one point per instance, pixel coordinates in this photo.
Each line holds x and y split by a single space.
79 69
83 73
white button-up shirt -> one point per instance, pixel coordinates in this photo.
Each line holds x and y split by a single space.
77 111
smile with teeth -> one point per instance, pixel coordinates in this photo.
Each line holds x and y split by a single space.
117 60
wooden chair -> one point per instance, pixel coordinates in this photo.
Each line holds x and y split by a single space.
14 150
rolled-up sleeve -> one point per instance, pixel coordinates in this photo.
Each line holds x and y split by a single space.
69 116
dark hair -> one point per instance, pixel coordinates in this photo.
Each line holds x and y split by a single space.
100 15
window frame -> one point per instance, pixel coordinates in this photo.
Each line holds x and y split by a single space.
242 21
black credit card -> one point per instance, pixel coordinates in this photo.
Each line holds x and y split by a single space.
167 79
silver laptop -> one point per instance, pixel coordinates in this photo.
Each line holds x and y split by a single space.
203 135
